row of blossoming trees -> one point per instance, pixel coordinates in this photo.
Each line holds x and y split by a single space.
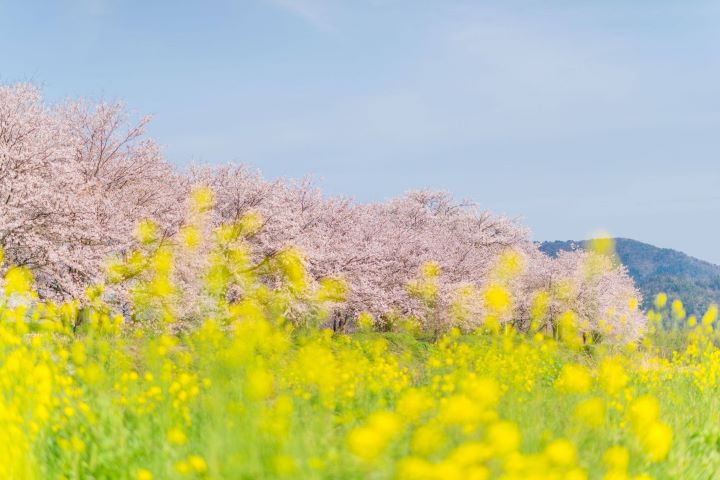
77 178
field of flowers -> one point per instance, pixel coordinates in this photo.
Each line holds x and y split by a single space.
254 389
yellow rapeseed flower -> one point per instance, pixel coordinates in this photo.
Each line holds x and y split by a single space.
430 270
365 321
427 439
18 280
612 375
656 441
460 410
603 244
146 231
250 223
660 300
413 403
259 384
470 453
616 458
176 436
366 443
497 299
331 290
508 266
710 315
503 437
644 411
539 308
198 464
678 309
574 378
369 441
144 474
191 236
591 412
291 264
202 199
561 452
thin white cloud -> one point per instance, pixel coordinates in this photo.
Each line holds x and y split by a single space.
316 13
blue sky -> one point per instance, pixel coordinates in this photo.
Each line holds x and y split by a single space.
575 116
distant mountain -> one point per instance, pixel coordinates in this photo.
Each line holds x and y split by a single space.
695 282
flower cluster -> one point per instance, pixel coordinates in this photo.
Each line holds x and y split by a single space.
254 389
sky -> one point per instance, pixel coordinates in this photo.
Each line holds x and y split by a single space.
573 116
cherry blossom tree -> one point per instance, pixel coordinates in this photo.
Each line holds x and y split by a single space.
76 178
74 181
379 249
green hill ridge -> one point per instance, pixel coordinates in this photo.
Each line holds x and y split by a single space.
695 282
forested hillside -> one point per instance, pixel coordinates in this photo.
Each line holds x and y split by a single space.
694 281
